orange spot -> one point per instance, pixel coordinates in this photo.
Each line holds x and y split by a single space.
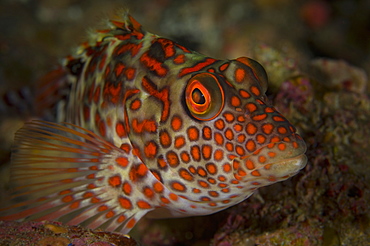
203 184
179 142
282 130
255 173
150 149
278 118
249 164
251 129
235 101
250 145
212 204
244 94
143 204
67 199
271 154
281 146
193 133
239 75
125 147
259 117
165 139
121 218
115 181
165 200
213 193
207 133
220 124
185 157
176 123
207 151
102 208
145 125
110 214
195 152
229 146
234 182
211 180
130 73
262 159
229 134
229 117
126 188
195 190
205 199
226 167
192 170
268 166
295 145
131 223
218 155
172 159
185 174
225 190
238 127
255 90
256 183
178 186
251 107
173 197
269 110
125 202
260 139
120 130
122 161
241 138
275 139
267 128
201 171
222 185
179 59
148 192
223 67
241 118
137 172
158 187
219 138
65 192
239 150
161 163
135 104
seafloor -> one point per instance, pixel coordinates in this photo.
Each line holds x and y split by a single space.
317 55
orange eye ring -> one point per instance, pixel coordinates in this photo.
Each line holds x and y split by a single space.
204 96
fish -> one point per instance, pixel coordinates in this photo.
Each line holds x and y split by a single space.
134 124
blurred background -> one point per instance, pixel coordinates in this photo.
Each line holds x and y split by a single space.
327 203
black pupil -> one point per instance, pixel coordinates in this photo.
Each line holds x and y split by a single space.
198 96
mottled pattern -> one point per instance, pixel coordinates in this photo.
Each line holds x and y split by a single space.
152 128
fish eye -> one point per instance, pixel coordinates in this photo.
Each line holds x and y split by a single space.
204 96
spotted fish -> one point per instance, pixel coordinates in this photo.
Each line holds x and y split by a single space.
145 126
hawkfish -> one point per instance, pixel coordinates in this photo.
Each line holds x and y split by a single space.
142 126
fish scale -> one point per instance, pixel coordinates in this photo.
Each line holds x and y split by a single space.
145 126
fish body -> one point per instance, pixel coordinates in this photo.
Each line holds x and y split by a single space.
146 126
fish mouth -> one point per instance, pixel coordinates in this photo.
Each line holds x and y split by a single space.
273 162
